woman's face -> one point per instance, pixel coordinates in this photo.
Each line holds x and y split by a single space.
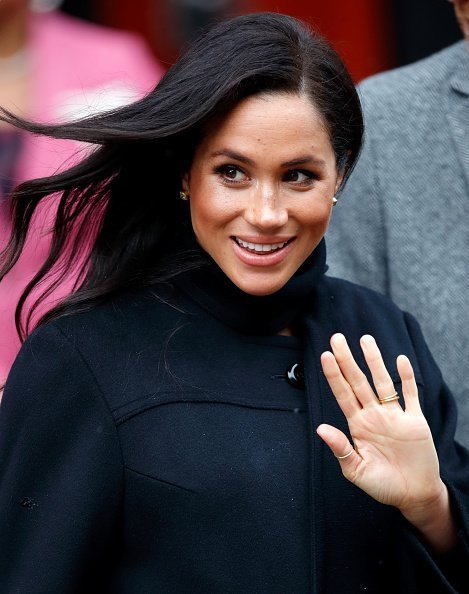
261 187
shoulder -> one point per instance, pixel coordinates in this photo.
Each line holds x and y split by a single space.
129 318
105 334
412 88
355 298
419 76
103 350
357 310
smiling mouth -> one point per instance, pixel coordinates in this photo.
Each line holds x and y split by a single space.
261 248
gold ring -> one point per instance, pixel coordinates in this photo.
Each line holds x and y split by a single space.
389 398
346 455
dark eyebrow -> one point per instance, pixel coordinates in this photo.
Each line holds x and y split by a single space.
233 155
307 159
303 160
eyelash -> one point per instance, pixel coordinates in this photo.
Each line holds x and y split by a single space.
310 177
222 170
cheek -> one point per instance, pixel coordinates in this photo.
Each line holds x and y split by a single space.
210 213
317 217
211 204
208 208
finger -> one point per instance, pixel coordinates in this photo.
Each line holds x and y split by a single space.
344 395
340 446
409 386
352 373
382 381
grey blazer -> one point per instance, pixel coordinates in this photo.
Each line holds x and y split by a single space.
402 224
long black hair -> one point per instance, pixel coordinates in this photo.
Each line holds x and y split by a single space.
117 211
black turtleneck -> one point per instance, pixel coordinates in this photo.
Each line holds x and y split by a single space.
249 314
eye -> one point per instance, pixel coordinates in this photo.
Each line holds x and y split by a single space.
299 177
231 174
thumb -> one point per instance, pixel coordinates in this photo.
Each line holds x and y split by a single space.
340 446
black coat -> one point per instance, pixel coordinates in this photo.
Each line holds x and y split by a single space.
147 448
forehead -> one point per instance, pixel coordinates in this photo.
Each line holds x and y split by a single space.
282 122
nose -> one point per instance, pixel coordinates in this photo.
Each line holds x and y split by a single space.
265 209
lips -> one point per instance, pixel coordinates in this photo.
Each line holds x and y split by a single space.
255 251
261 248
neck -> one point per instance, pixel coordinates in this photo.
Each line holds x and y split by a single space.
13 32
265 315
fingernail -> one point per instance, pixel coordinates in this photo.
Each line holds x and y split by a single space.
338 338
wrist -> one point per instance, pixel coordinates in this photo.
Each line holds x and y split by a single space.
421 513
433 519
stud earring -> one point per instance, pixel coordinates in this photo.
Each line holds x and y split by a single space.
334 200
184 195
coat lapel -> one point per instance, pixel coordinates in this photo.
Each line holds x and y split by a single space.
458 109
331 495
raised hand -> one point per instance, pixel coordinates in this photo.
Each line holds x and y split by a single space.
393 457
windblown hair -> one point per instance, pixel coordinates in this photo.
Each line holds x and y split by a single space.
116 213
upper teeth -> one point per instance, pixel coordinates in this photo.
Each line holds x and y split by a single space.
260 247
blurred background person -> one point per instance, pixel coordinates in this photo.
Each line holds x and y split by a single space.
54 67
402 224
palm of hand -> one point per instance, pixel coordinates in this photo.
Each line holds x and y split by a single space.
395 460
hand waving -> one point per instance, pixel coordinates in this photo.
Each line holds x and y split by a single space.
394 459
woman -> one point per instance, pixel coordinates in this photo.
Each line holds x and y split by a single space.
157 434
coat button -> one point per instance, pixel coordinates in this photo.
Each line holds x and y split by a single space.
295 376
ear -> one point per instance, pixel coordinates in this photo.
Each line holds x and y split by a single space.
342 169
340 179
185 182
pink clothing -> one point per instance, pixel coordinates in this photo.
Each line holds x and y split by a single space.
77 69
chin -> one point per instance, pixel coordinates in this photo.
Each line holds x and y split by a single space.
258 288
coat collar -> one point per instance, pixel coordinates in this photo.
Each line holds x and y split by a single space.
214 292
457 109
459 80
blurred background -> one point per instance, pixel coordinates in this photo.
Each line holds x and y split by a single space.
371 35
